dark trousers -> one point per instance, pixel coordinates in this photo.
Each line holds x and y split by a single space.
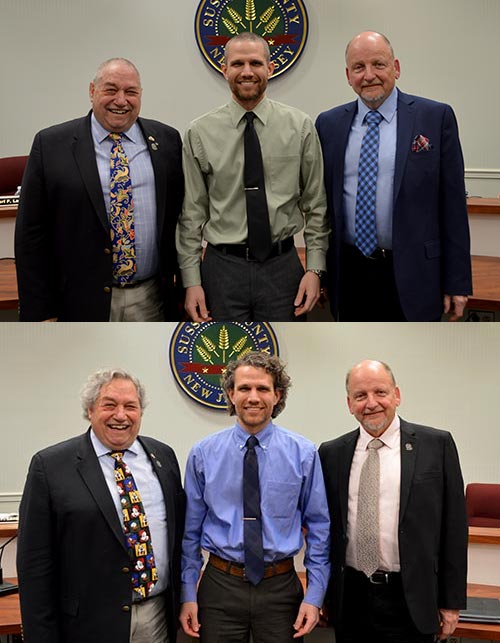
230 608
367 287
376 613
241 290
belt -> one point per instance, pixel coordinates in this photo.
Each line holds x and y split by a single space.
133 284
380 577
243 251
238 569
379 254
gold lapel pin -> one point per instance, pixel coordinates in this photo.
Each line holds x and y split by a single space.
409 446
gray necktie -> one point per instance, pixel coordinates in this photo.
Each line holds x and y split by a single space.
367 527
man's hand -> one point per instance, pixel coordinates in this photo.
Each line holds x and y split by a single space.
448 620
195 304
52 319
189 619
307 618
307 294
454 305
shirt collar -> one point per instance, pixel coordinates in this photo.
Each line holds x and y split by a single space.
261 111
387 109
100 133
241 436
390 437
101 450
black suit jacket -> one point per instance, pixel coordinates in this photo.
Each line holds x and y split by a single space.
72 559
432 521
62 240
430 227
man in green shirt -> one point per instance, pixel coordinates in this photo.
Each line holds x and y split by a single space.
231 282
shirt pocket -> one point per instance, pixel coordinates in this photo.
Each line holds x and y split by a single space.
285 176
281 498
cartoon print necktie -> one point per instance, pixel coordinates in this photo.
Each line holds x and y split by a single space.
121 215
137 534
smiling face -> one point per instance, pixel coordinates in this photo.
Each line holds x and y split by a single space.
116 414
116 96
254 397
247 71
371 68
372 396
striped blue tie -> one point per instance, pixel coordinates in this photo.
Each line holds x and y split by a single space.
366 225
252 523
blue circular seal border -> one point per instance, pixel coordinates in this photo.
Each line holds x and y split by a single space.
198 353
218 20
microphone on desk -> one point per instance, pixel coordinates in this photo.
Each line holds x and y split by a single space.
6 588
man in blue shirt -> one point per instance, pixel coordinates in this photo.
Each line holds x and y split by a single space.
230 603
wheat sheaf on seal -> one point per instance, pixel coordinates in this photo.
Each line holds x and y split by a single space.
199 353
283 23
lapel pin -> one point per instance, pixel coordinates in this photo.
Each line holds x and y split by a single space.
409 446
154 144
156 459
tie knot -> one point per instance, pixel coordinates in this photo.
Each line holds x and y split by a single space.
375 444
117 455
373 117
115 136
249 117
252 442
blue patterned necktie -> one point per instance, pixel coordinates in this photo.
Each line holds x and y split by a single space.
252 523
137 533
366 225
121 214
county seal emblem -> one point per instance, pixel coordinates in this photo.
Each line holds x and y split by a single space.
199 353
283 23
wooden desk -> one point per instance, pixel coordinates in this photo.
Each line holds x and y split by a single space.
486 283
10 612
482 631
484 535
481 205
8 285
8 211
8 529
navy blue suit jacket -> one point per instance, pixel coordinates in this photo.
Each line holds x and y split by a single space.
430 230
432 522
62 242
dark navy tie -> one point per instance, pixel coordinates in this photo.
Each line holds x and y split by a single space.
252 524
366 225
259 229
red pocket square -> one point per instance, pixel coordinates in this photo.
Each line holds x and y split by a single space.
421 144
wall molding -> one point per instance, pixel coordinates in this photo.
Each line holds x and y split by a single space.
483 173
10 499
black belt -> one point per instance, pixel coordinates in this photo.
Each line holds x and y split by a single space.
379 254
380 577
243 251
133 284
238 569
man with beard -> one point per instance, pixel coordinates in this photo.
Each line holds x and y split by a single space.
254 179
398 521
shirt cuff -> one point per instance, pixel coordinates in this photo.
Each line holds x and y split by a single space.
314 596
188 593
191 276
315 260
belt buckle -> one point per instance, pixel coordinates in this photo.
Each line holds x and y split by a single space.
377 575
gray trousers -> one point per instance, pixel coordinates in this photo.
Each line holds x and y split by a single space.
241 290
230 609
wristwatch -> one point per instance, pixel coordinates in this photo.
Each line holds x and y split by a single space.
320 273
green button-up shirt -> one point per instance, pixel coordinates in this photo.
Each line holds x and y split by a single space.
215 206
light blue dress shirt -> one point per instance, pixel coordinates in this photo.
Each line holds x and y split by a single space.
143 191
153 502
292 496
386 165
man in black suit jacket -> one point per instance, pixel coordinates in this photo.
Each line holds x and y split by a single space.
75 574
64 254
421 266
420 582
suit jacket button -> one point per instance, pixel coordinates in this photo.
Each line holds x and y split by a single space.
126 608
107 251
125 570
107 289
